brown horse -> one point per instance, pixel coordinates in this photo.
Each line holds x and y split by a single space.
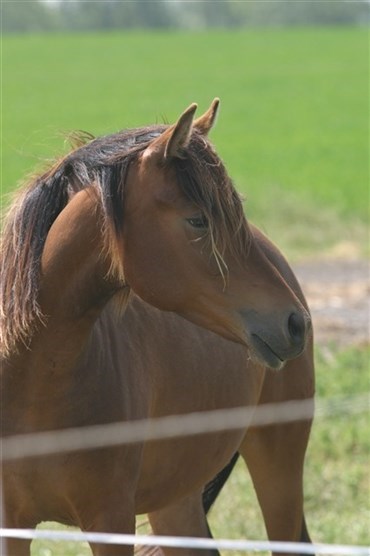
149 212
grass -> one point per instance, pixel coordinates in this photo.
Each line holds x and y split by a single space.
292 131
337 475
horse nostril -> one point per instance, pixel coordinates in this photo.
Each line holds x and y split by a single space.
297 327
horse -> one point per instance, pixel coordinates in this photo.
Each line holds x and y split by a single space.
133 287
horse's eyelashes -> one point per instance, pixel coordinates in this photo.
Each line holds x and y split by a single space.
199 222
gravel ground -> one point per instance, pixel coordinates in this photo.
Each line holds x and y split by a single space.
338 293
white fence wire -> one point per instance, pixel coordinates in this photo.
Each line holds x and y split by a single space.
102 436
190 542
113 434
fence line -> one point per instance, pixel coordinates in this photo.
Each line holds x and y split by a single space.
113 434
189 542
84 438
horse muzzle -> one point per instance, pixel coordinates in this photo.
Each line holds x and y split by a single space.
272 343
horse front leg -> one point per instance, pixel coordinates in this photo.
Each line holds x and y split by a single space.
113 521
111 511
108 504
12 518
15 547
185 518
275 458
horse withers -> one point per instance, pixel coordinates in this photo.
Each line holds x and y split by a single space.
146 219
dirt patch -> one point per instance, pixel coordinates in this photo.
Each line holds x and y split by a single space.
338 293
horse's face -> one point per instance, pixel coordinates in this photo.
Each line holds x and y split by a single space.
170 262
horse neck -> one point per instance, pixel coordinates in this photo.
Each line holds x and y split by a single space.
74 266
75 284
37 380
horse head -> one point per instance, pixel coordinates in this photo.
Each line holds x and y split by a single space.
187 246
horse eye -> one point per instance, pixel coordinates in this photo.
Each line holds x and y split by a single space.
198 222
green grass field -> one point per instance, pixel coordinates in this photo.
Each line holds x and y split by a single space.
293 132
292 129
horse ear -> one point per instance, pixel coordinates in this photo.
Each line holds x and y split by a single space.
175 139
180 135
205 122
